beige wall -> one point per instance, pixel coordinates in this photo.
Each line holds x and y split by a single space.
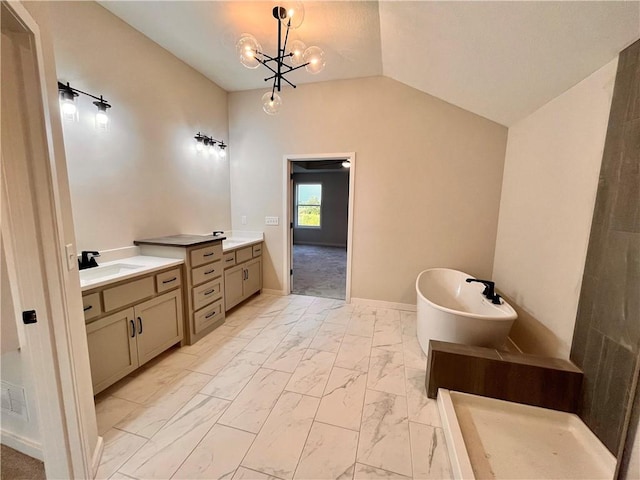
551 173
427 184
143 178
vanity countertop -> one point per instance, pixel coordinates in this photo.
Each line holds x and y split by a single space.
123 269
182 240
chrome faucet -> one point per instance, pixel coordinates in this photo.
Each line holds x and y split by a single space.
489 290
88 259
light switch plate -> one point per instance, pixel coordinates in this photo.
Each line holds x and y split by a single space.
243 220
70 252
271 220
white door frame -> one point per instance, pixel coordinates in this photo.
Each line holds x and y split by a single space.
34 234
286 212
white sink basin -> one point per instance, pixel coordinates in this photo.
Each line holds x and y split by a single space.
106 271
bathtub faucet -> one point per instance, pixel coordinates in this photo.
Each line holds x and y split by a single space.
489 290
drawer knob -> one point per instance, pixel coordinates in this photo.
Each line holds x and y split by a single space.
170 280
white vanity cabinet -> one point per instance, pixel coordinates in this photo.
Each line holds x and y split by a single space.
138 320
245 278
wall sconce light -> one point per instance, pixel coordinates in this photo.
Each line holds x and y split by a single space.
208 144
69 108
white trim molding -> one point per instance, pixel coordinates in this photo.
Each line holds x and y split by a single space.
408 307
22 444
287 201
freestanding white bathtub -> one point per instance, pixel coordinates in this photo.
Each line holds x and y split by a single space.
452 310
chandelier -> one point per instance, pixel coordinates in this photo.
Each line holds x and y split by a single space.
297 54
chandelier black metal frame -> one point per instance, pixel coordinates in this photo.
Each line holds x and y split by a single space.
252 56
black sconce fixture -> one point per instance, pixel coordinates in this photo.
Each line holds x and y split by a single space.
208 144
69 109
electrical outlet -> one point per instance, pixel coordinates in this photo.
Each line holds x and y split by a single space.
271 220
243 219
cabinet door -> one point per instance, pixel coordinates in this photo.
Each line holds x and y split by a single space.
159 324
233 280
252 277
112 348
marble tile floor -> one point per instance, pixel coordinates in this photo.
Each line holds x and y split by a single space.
290 387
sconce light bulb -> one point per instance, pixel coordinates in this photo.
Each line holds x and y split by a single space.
68 107
222 153
102 118
199 146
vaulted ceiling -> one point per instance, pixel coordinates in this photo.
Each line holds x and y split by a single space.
501 60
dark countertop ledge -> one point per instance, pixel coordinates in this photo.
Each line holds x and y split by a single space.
180 240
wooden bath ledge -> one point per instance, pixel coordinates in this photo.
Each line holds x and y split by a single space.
517 377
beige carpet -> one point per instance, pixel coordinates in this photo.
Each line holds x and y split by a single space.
319 271
18 466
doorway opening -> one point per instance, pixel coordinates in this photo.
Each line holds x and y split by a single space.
319 207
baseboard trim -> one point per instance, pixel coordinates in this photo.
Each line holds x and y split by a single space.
383 304
97 456
23 445
269 291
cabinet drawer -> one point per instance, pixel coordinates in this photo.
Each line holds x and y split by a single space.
207 293
168 280
244 254
208 316
257 250
206 272
91 306
128 293
229 259
206 254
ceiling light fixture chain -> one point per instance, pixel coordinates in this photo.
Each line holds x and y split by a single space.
252 56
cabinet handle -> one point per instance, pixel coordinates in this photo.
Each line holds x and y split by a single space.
133 329
86 309
140 323
170 280
230 259
209 292
210 315
210 272
208 254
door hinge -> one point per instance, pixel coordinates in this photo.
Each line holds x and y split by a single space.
291 176
291 272
29 317
291 225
